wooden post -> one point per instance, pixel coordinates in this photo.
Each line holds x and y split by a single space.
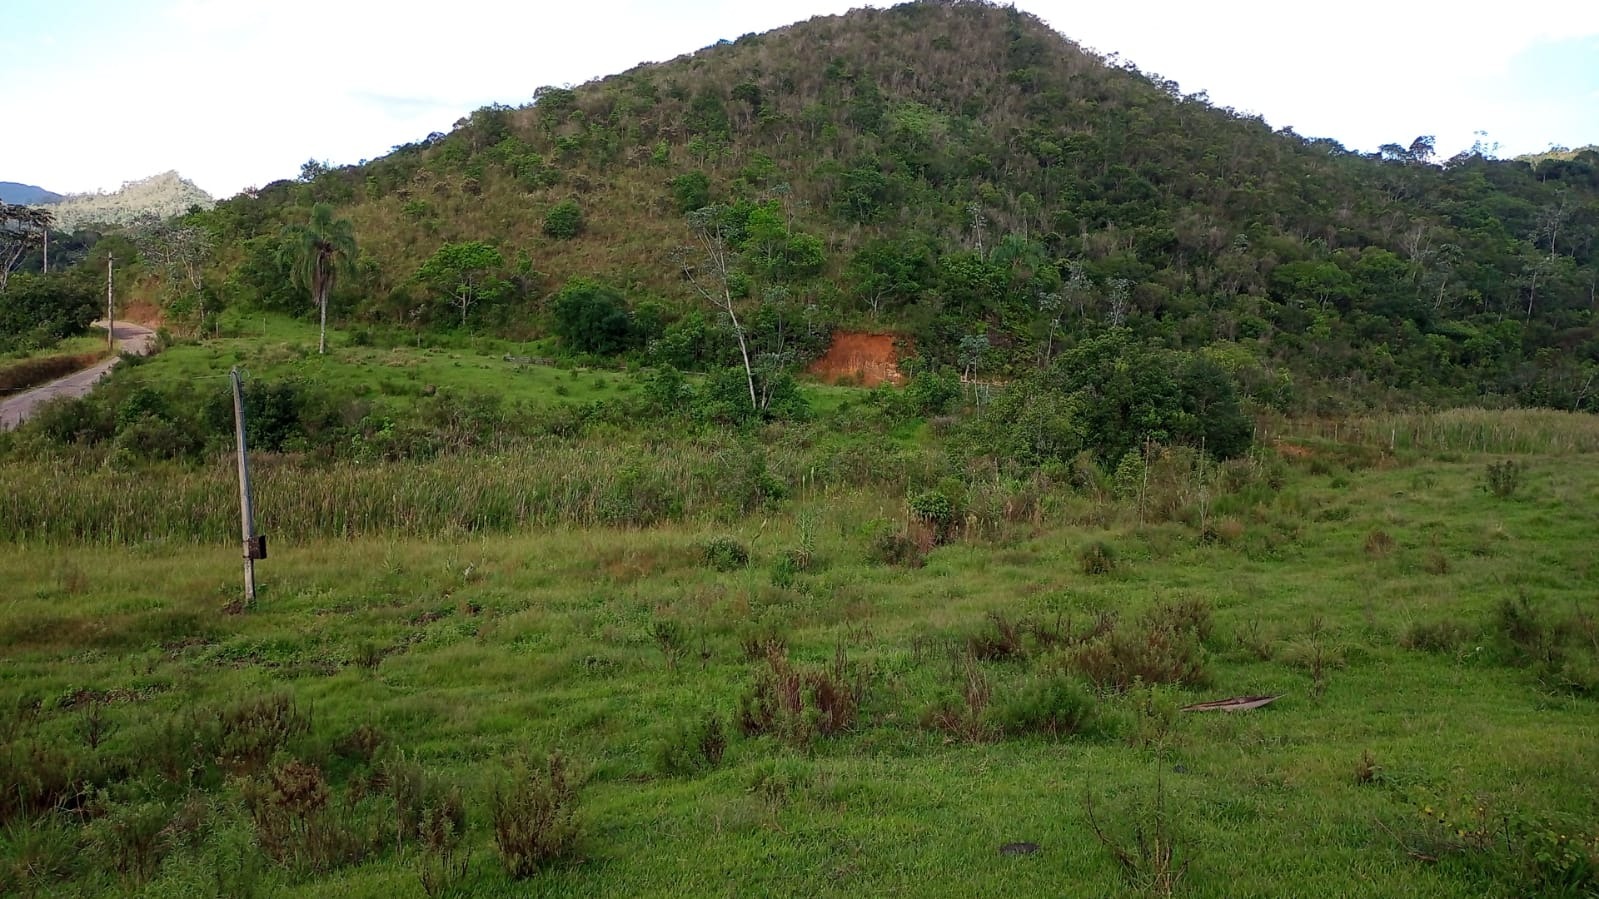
246 512
110 310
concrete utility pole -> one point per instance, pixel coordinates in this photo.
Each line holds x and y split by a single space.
252 548
110 310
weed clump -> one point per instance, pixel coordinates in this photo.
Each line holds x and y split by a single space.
1098 557
1503 478
1162 647
798 705
964 715
901 547
692 747
1053 706
726 553
254 729
1434 636
1002 641
1563 652
535 816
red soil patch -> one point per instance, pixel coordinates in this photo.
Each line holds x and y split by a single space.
865 358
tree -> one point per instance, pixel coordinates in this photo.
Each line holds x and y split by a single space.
20 228
712 276
464 272
180 251
592 318
318 252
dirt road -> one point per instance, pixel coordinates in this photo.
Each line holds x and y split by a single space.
131 338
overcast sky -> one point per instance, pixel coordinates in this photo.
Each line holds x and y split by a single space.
235 93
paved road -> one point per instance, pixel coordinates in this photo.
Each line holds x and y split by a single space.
131 338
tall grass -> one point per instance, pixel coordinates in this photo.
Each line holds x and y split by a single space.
1536 431
566 484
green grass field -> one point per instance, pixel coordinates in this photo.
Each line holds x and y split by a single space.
1372 599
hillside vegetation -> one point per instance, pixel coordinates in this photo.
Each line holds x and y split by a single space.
164 195
961 173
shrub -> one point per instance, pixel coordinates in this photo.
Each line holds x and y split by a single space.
297 824
427 811
964 714
726 553
535 816
935 510
890 545
1379 544
131 839
1002 641
799 705
1098 557
691 747
564 221
252 730
1051 705
1162 647
593 318
1434 636
1503 478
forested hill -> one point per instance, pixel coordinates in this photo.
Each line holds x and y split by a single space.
960 173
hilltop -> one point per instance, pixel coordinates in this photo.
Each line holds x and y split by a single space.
26 194
166 194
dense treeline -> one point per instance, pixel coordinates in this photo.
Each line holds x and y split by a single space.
960 173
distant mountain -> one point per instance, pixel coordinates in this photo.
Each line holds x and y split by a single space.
165 194
26 194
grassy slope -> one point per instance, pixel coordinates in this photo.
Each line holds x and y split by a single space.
1265 803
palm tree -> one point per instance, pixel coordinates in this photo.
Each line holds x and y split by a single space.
317 254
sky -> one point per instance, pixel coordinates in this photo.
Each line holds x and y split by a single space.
238 93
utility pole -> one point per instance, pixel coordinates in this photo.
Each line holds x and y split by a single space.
47 249
253 549
110 311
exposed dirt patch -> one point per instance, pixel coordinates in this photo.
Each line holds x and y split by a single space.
861 357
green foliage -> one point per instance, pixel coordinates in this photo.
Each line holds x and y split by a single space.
593 318
1503 478
535 816
1111 396
726 553
564 221
38 310
1053 706
691 191
692 746
463 274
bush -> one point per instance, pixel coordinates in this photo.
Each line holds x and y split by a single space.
799 705
253 730
593 318
692 747
535 816
564 221
726 553
890 545
1054 706
1434 636
1503 478
1162 647
936 510
1098 557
